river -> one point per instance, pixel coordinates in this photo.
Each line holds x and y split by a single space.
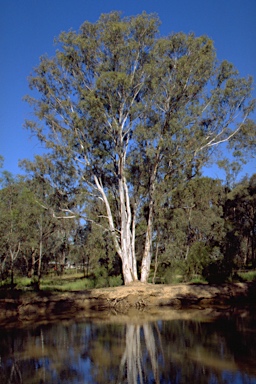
177 349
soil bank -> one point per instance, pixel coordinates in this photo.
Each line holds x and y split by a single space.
96 303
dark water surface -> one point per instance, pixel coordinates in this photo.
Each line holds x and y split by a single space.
179 350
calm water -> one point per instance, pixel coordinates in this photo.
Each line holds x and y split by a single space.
219 350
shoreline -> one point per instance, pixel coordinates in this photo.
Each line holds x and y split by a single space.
32 307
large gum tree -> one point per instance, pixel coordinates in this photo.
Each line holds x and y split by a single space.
121 110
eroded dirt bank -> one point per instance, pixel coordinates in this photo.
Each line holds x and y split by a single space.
102 303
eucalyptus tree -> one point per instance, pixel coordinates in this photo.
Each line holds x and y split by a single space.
18 219
190 219
240 216
120 109
53 236
27 231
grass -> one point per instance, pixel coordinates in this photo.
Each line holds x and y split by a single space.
79 285
247 276
198 280
73 281
66 282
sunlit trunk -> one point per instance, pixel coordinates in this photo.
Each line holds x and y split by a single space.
134 260
156 263
127 243
147 255
33 262
247 253
3 267
123 238
40 259
13 256
39 266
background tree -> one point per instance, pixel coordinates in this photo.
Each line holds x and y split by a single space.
191 228
29 234
240 215
53 235
121 110
19 213
93 245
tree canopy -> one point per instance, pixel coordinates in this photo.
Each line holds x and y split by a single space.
127 116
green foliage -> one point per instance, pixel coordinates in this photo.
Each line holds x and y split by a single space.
129 117
206 264
198 258
69 281
206 230
61 284
248 276
211 218
240 219
218 271
115 281
198 280
171 275
22 282
102 278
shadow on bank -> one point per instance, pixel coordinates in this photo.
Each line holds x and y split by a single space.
20 307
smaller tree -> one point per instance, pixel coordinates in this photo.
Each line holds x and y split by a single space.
18 215
240 215
191 225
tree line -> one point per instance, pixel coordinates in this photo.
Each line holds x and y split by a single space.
204 229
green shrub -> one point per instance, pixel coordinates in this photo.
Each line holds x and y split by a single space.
248 276
217 272
22 282
198 258
102 278
115 281
206 264
198 280
172 275
78 285
5 283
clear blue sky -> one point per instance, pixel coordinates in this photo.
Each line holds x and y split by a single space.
28 27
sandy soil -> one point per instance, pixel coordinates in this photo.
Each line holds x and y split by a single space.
136 299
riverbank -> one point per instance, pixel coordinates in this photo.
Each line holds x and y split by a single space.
32 307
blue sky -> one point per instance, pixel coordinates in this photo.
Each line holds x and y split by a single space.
28 28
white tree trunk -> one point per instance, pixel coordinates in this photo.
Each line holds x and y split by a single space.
124 238
13 257
40 226
127 242
147 256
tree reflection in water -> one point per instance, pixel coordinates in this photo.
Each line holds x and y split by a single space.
134 360
177 351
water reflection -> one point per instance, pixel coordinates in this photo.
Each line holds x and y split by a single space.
139 362
177 351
